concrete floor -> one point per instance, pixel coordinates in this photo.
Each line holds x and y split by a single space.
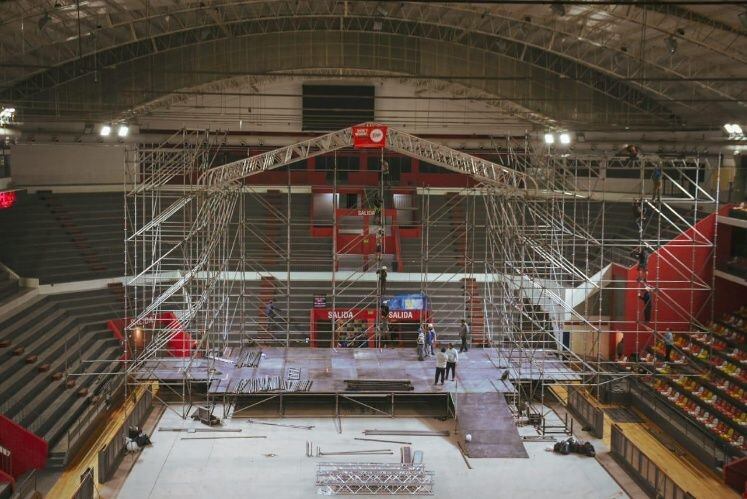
277 468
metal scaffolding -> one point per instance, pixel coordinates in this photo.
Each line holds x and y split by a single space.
526 253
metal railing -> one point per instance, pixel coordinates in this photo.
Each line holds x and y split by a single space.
590 416
110 456
648 475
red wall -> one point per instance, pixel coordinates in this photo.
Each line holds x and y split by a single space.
29 451
671 269
729 297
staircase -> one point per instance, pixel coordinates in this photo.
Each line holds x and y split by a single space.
474 310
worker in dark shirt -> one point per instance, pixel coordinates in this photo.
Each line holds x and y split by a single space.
464 333
641 254
382 279
271 313
647 300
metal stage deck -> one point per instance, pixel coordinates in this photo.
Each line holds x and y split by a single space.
478 371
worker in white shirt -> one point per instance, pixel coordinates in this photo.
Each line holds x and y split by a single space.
452 356
421 343
441 360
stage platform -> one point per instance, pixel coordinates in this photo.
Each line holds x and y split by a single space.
478 371
477 398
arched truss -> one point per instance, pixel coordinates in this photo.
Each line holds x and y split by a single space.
597 47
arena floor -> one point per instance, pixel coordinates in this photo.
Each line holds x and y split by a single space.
277 467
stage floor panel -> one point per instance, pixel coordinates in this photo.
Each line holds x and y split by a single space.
485 416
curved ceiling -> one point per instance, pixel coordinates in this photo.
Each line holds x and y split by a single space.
612 65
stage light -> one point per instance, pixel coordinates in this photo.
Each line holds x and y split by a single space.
6 115
733 129
105 130
123 130
737 129
565 138
549 138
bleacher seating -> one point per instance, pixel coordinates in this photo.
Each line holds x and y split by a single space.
267 235
707 377
71 237
8 286
53 352
64 237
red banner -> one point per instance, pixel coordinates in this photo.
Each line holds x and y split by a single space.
27 450
369 137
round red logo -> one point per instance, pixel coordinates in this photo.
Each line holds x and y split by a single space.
377 135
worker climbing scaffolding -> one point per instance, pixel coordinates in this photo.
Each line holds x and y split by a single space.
382 321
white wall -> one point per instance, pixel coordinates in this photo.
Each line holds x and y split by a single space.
64 164
419 108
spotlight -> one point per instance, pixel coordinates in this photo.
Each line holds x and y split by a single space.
6 115
123 130
565 138
105 130
549 138
733 130
672 44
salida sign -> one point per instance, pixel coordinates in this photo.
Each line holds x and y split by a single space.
369 137
394 315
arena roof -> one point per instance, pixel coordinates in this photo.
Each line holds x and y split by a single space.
608 64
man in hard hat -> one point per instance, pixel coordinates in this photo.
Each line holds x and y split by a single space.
430 340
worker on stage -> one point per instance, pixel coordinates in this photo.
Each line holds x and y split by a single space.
452 356
430 340
441 360
464 335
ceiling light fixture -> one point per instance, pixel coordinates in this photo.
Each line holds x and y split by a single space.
123 131
6 115
549 138
105 130
734 130
565 138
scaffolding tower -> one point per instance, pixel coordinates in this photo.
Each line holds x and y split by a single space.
529 253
